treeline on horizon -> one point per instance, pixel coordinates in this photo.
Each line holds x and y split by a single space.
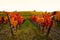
28 11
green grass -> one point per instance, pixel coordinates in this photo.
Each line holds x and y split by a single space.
27 23
58 24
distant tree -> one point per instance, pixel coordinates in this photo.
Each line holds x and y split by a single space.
34 10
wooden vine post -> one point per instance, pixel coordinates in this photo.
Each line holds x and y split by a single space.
50 24
10 25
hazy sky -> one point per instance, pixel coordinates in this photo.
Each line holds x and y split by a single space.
27 5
